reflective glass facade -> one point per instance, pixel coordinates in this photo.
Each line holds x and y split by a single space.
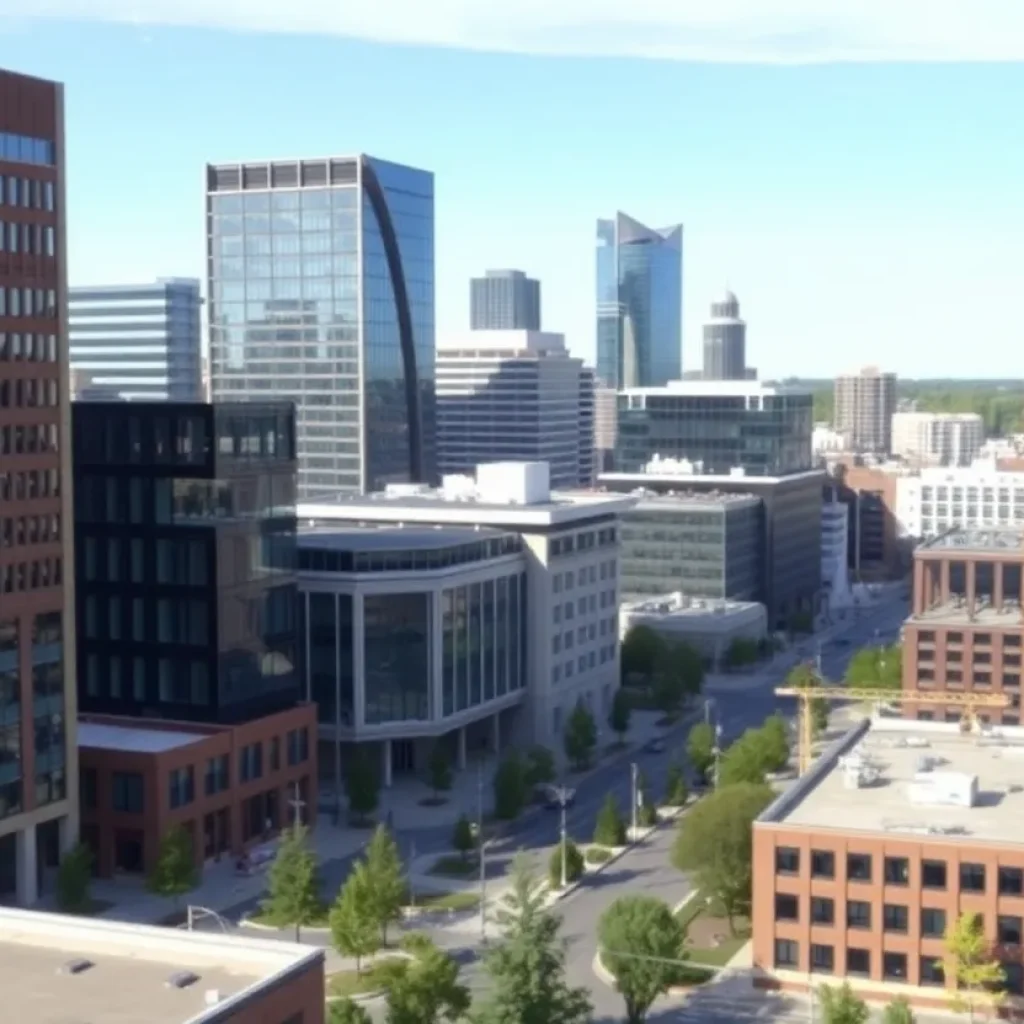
639 303
304 306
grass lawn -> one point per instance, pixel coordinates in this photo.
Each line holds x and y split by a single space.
597 855
320 921
444 900
372 978
454 866
708 939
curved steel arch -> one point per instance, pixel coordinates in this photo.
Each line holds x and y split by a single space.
375 193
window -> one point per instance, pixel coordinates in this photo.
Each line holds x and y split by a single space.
823 911
181 787
218 772
87 788
250 762
858 914
933 923
1014 981
823 959
823 864
894 917
858 961
127 792
298 746
932 972
275 753
787 861
1008 930
897 871
933 874
787 908
972 877
858 867
894 966
1011 881
787 953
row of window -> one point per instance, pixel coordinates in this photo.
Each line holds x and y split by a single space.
30 439
37 302
177 621
29 393
28 347
927 636
29 484
599 657
30 239
27 193
576 542
896 871
35 575
29 530
895 917
587 574
179 680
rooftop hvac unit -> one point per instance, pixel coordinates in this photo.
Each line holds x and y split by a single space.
944 789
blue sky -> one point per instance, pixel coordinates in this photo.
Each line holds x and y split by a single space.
863 212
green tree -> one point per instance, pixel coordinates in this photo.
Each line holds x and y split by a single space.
631 930
610 829
362 785
526 968
898 1012
876 668
440 768
640 651
700 748
714 842
676 791
747 760
580 736
646 809
347 1011
741 651
510 789
971 965
427 991
386 878
293 884
73 879
774 736
539 767
574 864
819 716
355 930
839 1005
620 714
679 672
463 839
175 872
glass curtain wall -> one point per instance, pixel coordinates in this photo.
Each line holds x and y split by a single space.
397 657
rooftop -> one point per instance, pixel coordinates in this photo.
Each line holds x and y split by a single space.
995 539
502 341
388 538
699 388
64 970
133 740
679 606
679 471
649 500
955 612
898 755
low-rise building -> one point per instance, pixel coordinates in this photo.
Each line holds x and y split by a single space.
56 968
937 438
709 627
864 863
426 585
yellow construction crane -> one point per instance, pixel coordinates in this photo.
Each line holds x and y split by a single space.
969 702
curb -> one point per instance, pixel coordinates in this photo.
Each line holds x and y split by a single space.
248 922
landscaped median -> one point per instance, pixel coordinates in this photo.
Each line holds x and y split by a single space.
370 981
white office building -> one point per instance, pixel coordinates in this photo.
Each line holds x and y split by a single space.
136 342
835 540
937 438
937 500
508 395
479 612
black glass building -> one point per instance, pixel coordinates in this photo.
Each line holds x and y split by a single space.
185 559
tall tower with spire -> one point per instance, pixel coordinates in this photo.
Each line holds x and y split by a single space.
725 341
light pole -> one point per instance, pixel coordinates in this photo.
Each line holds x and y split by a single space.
717 751
563 799
634 771
412 889
483 851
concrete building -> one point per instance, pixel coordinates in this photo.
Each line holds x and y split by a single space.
321 289
588 427
937 438
701 545
864 404
825 442
39 760
977 497
605 426
137 341
709 627
789 526
558 553
835 546
864 863
724 427
504 300
966 624
725 341
514 396
54 967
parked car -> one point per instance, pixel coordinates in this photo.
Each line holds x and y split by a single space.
654 746
552 797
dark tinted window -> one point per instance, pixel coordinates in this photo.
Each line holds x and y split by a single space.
858 867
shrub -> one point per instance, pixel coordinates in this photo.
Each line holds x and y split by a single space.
597 855
574 864
610 829
676 791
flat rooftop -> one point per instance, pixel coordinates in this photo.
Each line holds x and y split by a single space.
720 388
391 538
134 740
953 613
651 501
995 539
895 747
665 474
128 979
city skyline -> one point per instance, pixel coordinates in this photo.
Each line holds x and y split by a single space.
789 181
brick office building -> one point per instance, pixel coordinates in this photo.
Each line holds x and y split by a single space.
965 627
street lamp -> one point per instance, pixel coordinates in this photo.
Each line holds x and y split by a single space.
634 773
563 798
483 851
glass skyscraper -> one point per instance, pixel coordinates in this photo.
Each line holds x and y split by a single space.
321 289
639 303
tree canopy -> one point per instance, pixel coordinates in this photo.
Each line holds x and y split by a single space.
876 668
386 878
580 736
354 927
700 748
293 884
972 965
175 872
428 990
839 1005
641 648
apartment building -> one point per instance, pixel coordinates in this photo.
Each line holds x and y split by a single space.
863 409
937 438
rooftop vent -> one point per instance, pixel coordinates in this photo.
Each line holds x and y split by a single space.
182 979
212 996
76 966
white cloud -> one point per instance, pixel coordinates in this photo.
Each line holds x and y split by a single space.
772 31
